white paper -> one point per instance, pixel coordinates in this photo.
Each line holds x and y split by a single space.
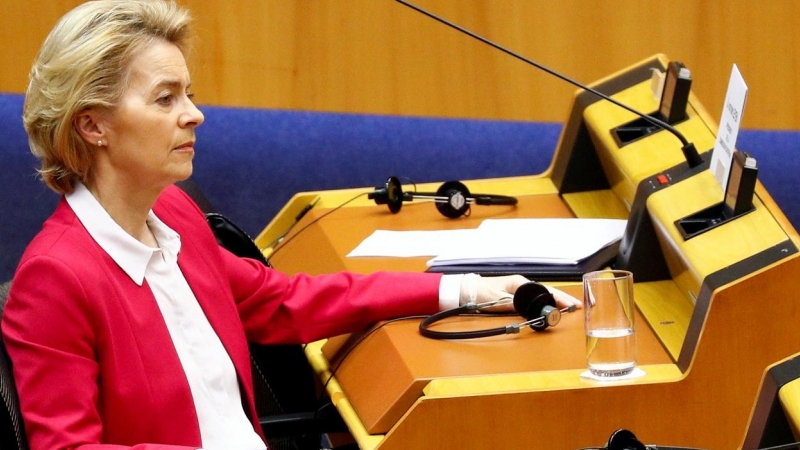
412 243
722 156
499 241
535 241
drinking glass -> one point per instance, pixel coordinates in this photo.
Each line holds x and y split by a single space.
609 324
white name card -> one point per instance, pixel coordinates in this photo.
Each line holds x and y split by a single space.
732 110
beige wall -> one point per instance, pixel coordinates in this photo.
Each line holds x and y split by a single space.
378 56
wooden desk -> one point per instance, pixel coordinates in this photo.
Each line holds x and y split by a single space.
723 311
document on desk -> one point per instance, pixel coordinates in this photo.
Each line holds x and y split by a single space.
501 242
535 241
412 243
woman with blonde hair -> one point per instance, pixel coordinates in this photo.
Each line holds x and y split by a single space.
126 323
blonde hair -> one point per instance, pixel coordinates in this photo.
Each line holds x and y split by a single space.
83 64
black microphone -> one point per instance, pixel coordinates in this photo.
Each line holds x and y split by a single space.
689 150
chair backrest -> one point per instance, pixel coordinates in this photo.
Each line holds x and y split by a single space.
233 238
12 431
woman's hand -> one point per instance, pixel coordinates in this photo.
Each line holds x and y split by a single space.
475 288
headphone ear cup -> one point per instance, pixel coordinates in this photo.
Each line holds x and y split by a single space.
623 439
457 195
391 195
532 300
394 194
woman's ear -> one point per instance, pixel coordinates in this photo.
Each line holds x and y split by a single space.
89 126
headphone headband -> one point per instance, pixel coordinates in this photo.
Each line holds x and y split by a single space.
452 199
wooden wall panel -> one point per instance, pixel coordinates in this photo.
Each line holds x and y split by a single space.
378 56
23 27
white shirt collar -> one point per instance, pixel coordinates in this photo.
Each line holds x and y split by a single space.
131 255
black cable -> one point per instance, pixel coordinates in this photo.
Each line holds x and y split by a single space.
363 337
653 120
349 349
279 241
297 218
689 151
286 242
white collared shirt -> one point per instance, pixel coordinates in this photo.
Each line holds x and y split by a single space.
208 367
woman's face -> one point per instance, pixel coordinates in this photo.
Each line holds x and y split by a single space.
150 137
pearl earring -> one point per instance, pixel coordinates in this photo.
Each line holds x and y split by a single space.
99 142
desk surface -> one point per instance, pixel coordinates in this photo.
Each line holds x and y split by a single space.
401 362
343 229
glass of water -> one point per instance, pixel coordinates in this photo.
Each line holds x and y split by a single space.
609 324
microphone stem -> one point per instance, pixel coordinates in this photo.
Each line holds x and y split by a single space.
693 160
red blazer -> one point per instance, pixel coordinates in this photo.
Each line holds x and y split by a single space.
93 360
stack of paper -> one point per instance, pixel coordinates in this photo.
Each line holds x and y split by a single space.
501 242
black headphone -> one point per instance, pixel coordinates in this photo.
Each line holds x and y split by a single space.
452 198
623 439
531 300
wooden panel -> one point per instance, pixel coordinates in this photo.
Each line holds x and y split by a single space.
381 57
23 28
667 310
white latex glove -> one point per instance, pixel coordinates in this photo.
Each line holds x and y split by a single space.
475 288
